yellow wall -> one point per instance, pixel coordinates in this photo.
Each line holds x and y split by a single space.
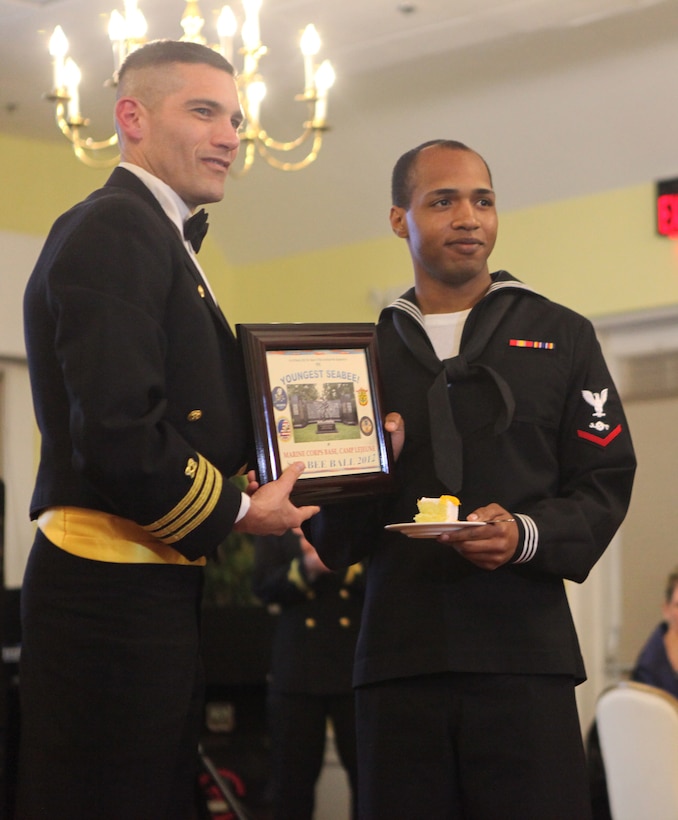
598 254
42 180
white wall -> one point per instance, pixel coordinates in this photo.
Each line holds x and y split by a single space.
18 253
17 428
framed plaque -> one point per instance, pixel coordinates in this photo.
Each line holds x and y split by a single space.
315 396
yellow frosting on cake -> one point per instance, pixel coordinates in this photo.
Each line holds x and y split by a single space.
438 510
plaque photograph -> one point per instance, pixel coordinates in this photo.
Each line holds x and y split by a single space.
315 397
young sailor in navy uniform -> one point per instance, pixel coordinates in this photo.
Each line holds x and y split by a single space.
468 659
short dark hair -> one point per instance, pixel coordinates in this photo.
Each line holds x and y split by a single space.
163 52
401 179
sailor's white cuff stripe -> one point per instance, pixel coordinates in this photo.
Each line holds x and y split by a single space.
530 540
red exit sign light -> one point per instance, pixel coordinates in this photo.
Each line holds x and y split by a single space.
667 208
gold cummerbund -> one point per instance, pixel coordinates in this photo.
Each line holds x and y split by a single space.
101 536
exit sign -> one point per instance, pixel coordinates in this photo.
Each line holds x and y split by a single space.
667 208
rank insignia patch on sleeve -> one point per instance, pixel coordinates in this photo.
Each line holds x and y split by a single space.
598 430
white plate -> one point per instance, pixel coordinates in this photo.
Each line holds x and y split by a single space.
414 529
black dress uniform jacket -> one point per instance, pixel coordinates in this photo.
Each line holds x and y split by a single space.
141 403
560 467
137 380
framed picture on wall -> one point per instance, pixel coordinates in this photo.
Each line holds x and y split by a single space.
316 398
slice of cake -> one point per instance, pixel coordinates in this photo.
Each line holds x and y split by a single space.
438 510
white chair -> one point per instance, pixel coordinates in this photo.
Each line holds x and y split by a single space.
638 732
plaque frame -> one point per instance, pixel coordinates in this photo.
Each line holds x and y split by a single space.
358 460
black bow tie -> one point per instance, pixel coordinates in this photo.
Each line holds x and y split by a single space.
195 228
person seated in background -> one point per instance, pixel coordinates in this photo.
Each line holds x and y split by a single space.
656 665
311 667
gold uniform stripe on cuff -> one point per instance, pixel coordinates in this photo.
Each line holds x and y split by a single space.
186 501
193 508
202 510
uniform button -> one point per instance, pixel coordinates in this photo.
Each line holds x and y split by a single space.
201 291
345 621
194 415
343 593
191 468
310 623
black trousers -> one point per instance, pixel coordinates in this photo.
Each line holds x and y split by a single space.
110 686
471 747
298 730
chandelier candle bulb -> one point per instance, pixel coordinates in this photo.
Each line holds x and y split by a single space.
137 26
251 38
324 80
58 49
116 34
227 26
256 92
310 46
72 77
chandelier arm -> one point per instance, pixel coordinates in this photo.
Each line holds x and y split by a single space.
312 155
80 152
275 145
72 134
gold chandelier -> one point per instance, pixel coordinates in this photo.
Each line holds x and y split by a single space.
127 32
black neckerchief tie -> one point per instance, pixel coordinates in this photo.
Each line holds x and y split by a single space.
195 228
445 437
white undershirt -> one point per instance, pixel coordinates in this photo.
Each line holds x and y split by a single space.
444 330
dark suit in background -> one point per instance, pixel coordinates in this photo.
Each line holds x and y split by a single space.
311 669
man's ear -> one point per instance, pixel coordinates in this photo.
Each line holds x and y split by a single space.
398 222
128 116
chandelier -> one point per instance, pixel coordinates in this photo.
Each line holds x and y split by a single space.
128 31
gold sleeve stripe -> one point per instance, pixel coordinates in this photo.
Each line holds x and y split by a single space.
194 507
186 502
183 521
203 514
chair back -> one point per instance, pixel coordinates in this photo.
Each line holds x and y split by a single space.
638 731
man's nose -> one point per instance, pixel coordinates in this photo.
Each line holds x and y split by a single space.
464 215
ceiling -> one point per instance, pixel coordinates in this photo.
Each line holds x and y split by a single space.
564 98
